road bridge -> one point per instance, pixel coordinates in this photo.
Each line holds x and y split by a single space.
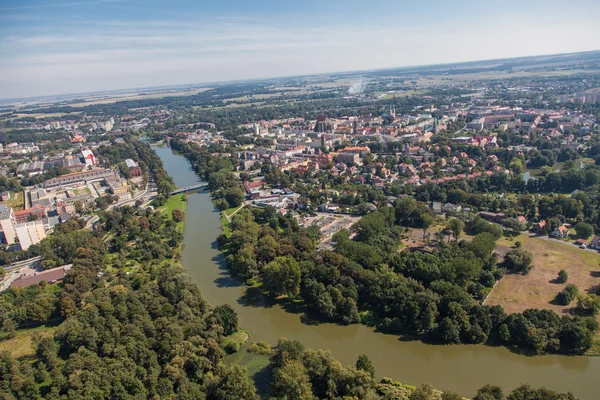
200 186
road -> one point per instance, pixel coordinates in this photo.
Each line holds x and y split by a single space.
561 241
146 196
14 270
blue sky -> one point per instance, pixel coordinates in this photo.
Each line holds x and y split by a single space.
71 46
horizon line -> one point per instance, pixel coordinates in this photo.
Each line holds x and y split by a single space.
241 80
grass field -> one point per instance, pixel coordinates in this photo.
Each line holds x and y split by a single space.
516 293
22 344
173 203
225 224
16 200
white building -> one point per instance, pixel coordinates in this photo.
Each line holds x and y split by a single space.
30 233
8 222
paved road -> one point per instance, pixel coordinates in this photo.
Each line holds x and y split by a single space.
11 276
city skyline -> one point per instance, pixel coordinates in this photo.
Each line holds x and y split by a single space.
83 46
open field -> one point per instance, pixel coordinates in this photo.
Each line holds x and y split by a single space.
516 293
22 344
16 201
139 97
175 202
42 115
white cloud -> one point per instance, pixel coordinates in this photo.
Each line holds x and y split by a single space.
108 55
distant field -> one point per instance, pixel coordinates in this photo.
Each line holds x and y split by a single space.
516 293
115 99
50 115
483 75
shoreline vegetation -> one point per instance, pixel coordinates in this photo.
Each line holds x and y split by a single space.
431 296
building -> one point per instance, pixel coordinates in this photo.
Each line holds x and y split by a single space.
25 215
560 232
491 216
32 168
361 151
8 222
347 158
5 196
88 157
323 124
83 177
51 276
30 233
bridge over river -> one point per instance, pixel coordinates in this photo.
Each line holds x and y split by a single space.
200 186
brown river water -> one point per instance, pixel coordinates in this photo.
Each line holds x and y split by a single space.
460 368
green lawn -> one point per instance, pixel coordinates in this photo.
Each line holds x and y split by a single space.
176 202
225 225
16 200
22 344
231 210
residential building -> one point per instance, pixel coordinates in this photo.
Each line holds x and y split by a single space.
30 233
560 232
25 215
8 222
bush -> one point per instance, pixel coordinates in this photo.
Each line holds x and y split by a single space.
584 230
262 348
562 276
566 296
519 260
177 215
232 347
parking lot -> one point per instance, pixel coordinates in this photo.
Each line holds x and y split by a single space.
329 224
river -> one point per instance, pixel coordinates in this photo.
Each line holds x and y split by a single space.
460 368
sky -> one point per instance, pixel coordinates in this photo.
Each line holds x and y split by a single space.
51 47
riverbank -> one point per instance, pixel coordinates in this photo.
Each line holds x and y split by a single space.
460 368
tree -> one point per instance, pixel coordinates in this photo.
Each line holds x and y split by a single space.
364 364
584 230
233 382
177 215
423 392
519 260
234 196
489 392
562 276
426 221
291 381
79 207
456 226
565 296
228 318
282 276
482 245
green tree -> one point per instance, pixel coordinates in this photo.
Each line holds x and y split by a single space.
562 276
364 364
233 382
489 392
519 260
291 382
228 318
456 227
282 276
177 215
584 230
